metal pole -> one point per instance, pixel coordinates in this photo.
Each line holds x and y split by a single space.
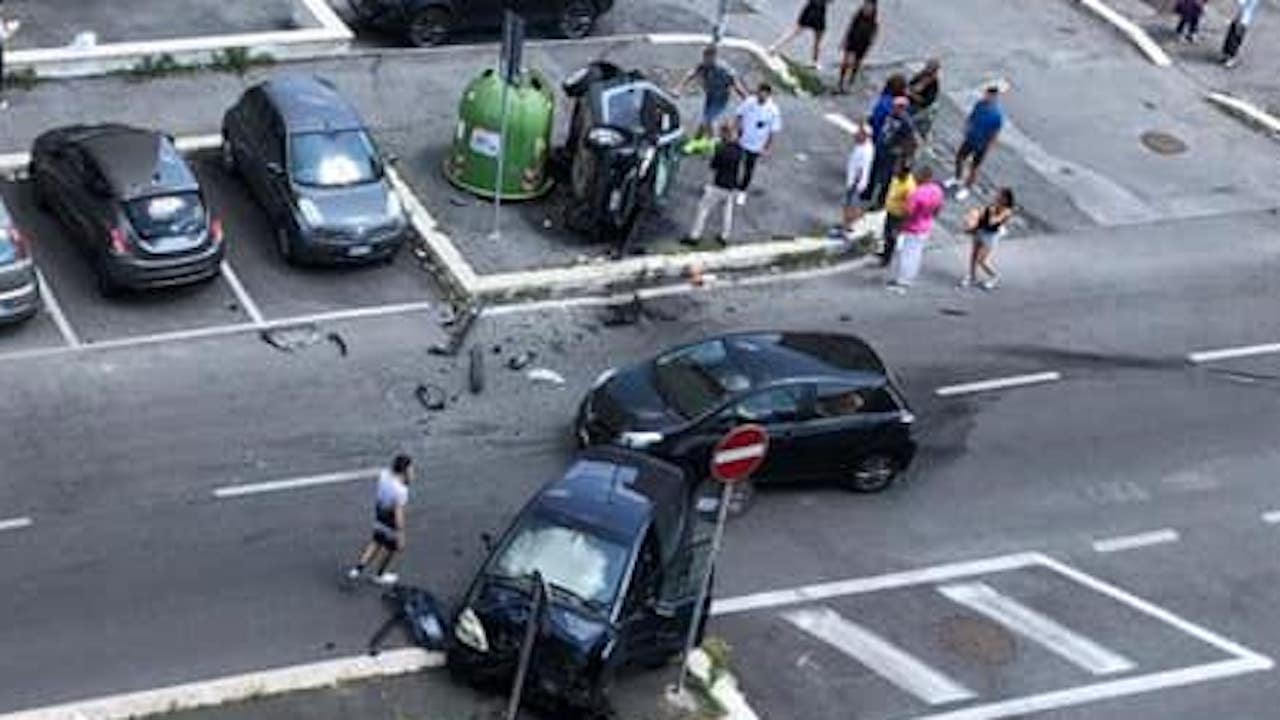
526 648
722 514
722 13
502 156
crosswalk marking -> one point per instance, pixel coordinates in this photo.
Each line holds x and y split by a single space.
1031 624
879 655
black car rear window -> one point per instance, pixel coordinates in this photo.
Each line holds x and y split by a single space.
158 216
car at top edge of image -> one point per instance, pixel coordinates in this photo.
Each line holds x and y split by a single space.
832 409
308 158
19 289
131 201
622 552
425 23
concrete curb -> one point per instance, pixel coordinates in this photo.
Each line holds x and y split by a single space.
723 690
1130 29
1246 111
331 37
238 688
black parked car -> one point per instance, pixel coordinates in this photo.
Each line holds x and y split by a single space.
623 150
19 291
832 409
622 551
431 22
131 200
307 157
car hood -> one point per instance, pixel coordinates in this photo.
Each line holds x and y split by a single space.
630 401
353 206
570 644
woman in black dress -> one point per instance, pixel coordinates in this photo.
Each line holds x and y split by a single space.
813 17
857 43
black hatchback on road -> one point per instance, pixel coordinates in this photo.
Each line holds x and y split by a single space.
622 551
307 157
832 408
431 22
130 199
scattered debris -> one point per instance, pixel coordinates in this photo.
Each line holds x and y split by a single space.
290 338
458 323
458 201
845 317
521 360
475 374
430 396
619 314
954 312
546 375
338 342
417 612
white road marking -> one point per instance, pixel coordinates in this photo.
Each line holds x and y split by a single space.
842 122
879 655
54 307
238 688
998 384
231 491
1207 356
745 452
1271 517
1041 629
15 523
242 295
857 586
1130 542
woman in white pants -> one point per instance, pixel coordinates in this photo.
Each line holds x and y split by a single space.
923 205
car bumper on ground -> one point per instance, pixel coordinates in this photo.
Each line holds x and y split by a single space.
145 273
342 249
20 302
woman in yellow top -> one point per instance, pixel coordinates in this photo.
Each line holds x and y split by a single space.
895 206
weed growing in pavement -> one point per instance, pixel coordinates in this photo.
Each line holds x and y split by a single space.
806 77
719 653
23 79
238 60
155 66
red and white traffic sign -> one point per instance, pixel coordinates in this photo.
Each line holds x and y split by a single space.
739 453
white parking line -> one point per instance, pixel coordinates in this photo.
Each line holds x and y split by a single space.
879 655
1041 629
1130 542
231 491
998 384
15 523
1208 356
242 295
55 311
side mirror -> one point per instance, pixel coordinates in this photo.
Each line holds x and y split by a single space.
487 541
274 168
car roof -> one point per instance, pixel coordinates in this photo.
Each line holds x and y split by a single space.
615 490
307 103
135 162
780 356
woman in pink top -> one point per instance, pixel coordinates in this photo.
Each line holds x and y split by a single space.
923 205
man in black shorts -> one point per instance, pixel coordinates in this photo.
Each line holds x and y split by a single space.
390 499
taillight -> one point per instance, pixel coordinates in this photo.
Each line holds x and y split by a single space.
116 241
20 245
215 230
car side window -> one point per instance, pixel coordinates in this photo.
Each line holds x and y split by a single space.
775 405
832 400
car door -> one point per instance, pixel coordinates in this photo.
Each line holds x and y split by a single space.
845 423
248 135
642 622
682 580
278 193
96 206
778 408
58 171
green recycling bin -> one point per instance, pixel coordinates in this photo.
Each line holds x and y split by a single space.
477 140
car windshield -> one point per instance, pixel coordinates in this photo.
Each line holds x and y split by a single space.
696 379
332 159
573 560
166 215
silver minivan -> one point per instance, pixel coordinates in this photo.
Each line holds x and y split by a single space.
19 291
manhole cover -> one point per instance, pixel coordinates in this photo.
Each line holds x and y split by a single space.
1162 143
977 639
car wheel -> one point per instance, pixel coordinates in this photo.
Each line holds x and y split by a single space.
577 18
284 243
429 27
228 156
873 473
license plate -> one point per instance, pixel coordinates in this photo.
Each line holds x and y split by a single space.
359 250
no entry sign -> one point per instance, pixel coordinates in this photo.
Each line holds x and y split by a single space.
739 453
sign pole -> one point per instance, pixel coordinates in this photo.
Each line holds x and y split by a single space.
722 13
722 515
509 72
526 647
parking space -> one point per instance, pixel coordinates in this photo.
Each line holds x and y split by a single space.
988 639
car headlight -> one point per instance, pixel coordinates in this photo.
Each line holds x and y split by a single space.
393 205
470 631
639 440
603 378
310 212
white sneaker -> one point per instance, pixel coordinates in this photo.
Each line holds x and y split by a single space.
386 579
989 284
353 573
962 194
741 199
950 183
965 282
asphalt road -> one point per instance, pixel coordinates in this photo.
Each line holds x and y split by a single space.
133 574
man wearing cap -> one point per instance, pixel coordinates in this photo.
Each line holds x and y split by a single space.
895 143
980 133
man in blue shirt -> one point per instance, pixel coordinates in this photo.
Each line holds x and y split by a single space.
980 133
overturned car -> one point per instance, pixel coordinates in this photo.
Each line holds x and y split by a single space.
622 151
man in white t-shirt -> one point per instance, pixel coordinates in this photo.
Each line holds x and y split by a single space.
758 121
390 499
857 175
